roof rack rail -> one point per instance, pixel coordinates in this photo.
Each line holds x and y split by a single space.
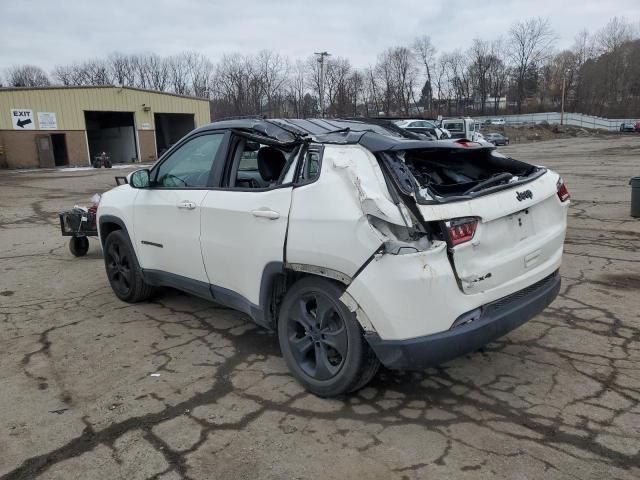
242 117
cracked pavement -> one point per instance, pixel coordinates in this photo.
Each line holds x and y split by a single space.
556 398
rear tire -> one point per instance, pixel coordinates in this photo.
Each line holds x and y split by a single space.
123 271
321 340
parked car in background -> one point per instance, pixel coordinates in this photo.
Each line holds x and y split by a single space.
637 127
463 128
495 121
496 139
423 127
627 127
358 244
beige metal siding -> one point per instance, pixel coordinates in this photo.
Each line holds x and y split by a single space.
69 104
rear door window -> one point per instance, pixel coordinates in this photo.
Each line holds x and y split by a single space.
311 165
245 171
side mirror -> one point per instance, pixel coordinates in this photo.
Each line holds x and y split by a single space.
140 179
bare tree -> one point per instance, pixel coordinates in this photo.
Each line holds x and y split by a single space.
497 73
530 43
337 72
121 68
314 77
157 72
355 90
272 70
385 81
199 72
178 80
371 92
405 73
96 72
26 76
610 41
613 35
232 81
427 54
584 47
296 86
63 75
456 71
481 58
441 83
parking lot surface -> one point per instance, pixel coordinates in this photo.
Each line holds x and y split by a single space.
93 388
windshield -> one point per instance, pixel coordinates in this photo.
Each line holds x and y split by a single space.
454 126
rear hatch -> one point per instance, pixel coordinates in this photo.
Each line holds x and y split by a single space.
501 217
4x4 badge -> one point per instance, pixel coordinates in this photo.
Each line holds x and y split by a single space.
526 194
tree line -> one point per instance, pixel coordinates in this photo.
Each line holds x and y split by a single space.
518 72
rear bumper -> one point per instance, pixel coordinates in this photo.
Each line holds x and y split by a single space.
491 321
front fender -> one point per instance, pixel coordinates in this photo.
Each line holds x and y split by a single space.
117 206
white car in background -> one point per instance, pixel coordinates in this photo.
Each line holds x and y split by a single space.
357 245
424 127
464 129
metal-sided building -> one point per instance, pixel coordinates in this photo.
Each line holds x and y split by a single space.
56 126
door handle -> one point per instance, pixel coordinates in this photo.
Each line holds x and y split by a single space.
186 204
265 213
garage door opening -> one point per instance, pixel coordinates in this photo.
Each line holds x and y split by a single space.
171 127
59 144
112 133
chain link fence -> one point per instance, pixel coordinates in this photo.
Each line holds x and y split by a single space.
573 119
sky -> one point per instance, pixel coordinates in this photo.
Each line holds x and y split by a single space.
48 33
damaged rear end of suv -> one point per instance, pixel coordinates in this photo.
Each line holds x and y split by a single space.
358 242
465 243
495 229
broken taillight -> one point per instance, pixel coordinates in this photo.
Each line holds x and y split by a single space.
563 192
463 142
461 230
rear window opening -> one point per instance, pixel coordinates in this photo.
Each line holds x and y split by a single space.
455 174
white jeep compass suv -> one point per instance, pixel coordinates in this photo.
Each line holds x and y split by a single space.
359 243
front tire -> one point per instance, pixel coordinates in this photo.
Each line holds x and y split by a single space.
123 271
321 340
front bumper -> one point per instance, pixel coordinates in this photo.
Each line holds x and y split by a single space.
493 320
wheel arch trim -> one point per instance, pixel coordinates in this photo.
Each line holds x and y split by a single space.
105 219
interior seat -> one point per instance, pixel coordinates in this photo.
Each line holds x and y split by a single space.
271 162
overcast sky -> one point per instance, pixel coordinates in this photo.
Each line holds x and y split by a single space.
48 33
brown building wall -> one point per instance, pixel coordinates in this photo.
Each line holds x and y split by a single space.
77 148
147 140
20 149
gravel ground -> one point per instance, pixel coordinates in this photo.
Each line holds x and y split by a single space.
557 398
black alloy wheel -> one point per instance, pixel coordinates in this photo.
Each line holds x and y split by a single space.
317 335
119 268
322 341
123 270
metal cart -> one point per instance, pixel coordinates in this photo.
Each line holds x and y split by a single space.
79 224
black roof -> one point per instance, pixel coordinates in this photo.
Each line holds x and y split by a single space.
376 135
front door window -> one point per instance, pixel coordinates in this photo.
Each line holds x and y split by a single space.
190 165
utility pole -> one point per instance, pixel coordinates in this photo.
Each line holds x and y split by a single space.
564 78
321 56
